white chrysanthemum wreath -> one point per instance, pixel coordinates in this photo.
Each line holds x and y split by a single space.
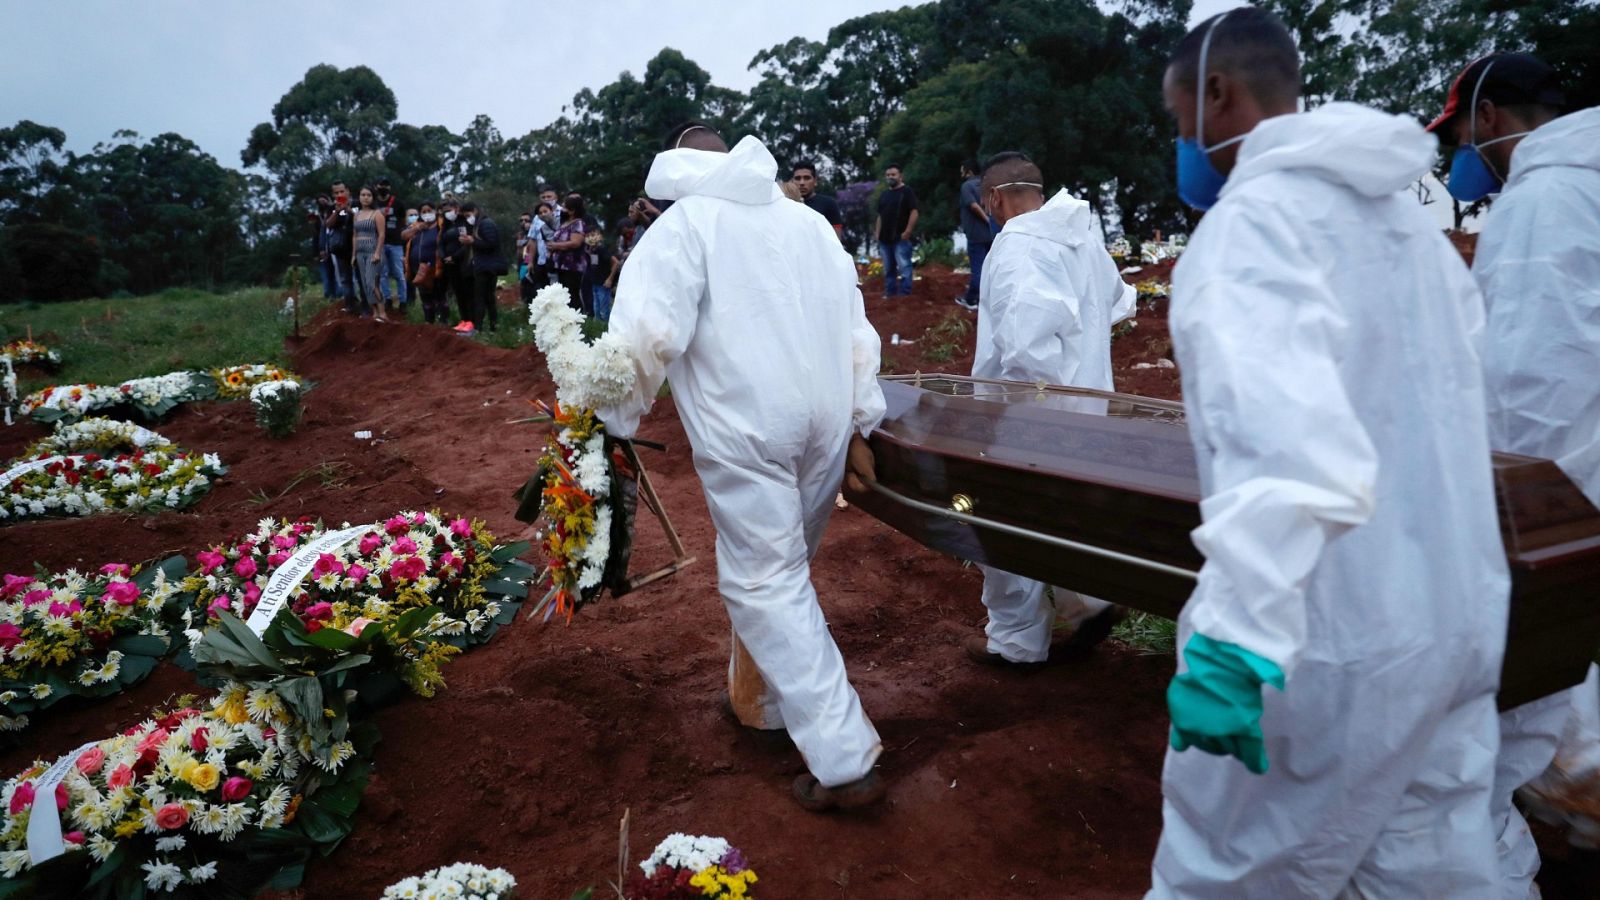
587 375
571 491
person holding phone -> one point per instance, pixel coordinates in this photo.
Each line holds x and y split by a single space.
339 222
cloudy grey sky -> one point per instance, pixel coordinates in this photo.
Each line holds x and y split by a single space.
211 69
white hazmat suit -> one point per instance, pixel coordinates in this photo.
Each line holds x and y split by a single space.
1049 296
748 304
1538 263
1326 333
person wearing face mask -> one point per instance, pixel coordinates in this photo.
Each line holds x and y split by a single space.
455 260
544 229
567 256
488 264
748 304
1047 300
1538 264
423 255
548 194
410 292
1334 728
897 222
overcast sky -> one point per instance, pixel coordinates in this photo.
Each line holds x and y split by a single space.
211 69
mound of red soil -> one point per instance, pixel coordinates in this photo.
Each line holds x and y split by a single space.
1029 786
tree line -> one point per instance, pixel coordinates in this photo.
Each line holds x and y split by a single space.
924 87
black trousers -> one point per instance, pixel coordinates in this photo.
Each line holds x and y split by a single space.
459 280
573 282
485 305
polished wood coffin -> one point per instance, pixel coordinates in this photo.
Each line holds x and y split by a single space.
1049 467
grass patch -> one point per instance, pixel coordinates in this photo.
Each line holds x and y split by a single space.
330 475
107 341
1149 634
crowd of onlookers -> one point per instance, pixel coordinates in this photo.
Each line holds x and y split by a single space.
379 255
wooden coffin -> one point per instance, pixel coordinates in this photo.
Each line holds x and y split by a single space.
1097 492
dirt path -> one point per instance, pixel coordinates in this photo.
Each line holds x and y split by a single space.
1003 786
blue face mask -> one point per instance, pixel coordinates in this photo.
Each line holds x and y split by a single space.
1471 179
1471 176
1199 182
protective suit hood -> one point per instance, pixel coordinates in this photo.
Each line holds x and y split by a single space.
1371 152
1063 220
1572 140
746 174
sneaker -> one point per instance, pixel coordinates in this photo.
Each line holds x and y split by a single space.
964 303
465 328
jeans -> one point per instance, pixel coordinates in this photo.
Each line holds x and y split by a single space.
602 302
394 266
346 279
896 268
330 281
977 253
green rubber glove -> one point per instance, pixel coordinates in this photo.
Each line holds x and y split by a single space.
1216 705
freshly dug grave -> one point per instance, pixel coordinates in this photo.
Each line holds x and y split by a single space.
1028 786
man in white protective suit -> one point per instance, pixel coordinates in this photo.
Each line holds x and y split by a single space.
748 304
1538 264
1334 730
1049 296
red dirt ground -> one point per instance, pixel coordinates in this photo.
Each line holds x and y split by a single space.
1002 786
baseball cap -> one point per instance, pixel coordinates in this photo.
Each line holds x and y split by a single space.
1514 78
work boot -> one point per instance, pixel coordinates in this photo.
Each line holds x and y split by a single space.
978 651
865 791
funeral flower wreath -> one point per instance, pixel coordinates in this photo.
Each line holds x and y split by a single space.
413 562
228 797
236 382
103 466
582 490
465 881
151 397
31 353
689 866
71 634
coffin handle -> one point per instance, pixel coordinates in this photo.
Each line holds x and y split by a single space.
955 512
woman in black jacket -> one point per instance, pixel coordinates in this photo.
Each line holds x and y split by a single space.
488 264
455 261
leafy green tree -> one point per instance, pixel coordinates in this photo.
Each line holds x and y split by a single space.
421 156
1075 89
331 119
30 163
164 212
1402 57
479 154
603 146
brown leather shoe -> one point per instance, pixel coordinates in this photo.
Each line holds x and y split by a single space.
811 795
977 648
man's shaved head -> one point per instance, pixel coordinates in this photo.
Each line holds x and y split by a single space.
695 136
1249 44
1014 169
